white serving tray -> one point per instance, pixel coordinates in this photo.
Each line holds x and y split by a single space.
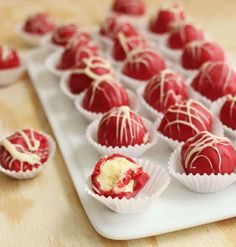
177 208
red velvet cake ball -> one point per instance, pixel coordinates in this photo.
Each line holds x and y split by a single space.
39 24
208 154
183 34
89 70
74 55
122 127
104 94
118 176
196 53
166 17
9 58
165 89
183 120
63 34
143 64
130 7
24 150
215 80
228 112
123 45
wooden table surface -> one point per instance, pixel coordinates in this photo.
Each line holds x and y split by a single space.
46 211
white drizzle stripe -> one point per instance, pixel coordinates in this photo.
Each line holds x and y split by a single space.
6 53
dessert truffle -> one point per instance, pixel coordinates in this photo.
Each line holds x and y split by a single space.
24 150
205 153
166 17
104 94
118 176
123 45
183 120
215 80
165 89
9 58
39 24
131 7
182 34
196 53
228 112
87 71
142 64
122 127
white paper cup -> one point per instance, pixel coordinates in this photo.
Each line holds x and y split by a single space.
215 109
173 55
133 151
158 39
152 113
193 94
185 73
64 86
47 42
35 171
158 182
131 83
198 183
117 65
91 116
217 129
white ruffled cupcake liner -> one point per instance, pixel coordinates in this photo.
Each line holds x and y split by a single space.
158 39
198 183
187 74
155 186
215 109
173 55
35 171
117 65
133 151
152 113
198 97
91 116
64 86
131 83
217 129
46 42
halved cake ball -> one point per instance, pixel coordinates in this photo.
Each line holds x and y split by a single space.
205 153
87 71
104 94
184 120
166 17
9 58
182 34
39 24
165 89
131 7
142 64
118 176
24 150
215 80
196 53
122 127
228 112
123 45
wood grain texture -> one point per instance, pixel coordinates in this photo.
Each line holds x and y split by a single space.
46 211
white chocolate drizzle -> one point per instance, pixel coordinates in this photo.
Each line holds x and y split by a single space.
6 53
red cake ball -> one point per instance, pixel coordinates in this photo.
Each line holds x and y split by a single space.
122 127
143 64
182 34
124 45
87 71
62 35
74 55
166 17
196 53
215 80
131 7
118 176
183 120
228 112
165 89
104 94
39 24
208 154
9 58
24 150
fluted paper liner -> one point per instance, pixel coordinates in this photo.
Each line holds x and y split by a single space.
198 183
47 42
35 171
133 151
159 39
158 182
173 55
131 83
198 97
91 116
65 88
